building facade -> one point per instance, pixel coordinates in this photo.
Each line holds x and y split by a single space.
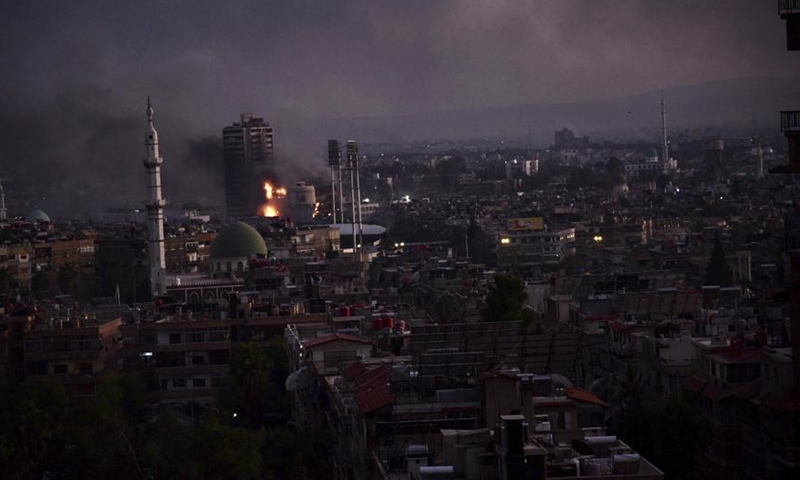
248 154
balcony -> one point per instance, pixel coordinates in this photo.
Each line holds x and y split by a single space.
790 120
787 8
790 126
790 11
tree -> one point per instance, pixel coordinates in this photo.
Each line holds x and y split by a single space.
67 278
614 167
5 280
505 300
718 271
447 308
250 371
39 283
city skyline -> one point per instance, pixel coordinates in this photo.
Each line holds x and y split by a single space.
352 69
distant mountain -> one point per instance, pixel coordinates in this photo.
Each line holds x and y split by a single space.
729 103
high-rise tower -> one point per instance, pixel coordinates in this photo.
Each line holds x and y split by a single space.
248 154
155 208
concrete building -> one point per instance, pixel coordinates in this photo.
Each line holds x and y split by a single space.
531 248
73 351
566 138
248 156
302 200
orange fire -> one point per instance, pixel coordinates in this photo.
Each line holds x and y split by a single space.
269 209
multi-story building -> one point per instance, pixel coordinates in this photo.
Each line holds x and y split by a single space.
188 253
248 154
566 138
186 360
73 351
18 261
535 248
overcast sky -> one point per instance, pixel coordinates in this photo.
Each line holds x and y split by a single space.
204 62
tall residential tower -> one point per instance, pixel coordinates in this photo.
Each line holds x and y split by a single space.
248 155
155 208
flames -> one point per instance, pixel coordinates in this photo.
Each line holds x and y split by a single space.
272 195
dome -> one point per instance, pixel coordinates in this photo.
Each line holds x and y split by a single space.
37 216
238 240
651 153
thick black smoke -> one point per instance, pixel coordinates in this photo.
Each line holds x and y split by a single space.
75 76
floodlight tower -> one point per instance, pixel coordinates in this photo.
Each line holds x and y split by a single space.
355 192
335 162
664 141
3 210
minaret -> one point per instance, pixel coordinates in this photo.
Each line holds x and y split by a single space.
664 143
155 208
3 210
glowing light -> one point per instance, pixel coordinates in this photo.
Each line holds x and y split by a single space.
271 193
269 211
505 240
598 238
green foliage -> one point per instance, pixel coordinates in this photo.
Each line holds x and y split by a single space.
39 283
505 300
665 433
448 308
5 280
614 167
298 452
718 271
44 433
67 278
226 451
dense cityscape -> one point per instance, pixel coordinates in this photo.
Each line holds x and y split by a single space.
542 300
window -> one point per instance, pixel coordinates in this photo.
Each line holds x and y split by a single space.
174 338
36 368
85 368
60 369
198 360
199 383
218 382
194 336
218 334
178 383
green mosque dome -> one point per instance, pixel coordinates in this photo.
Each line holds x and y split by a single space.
238 240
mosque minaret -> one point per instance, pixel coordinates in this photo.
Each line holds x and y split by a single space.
155 208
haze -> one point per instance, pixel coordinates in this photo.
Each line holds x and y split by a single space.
76 74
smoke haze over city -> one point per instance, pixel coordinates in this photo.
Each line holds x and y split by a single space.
76 75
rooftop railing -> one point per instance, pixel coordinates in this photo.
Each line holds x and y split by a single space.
788 7
790 120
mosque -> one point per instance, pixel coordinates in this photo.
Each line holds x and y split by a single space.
235 249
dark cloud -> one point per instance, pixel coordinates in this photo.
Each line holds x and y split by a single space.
75 74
